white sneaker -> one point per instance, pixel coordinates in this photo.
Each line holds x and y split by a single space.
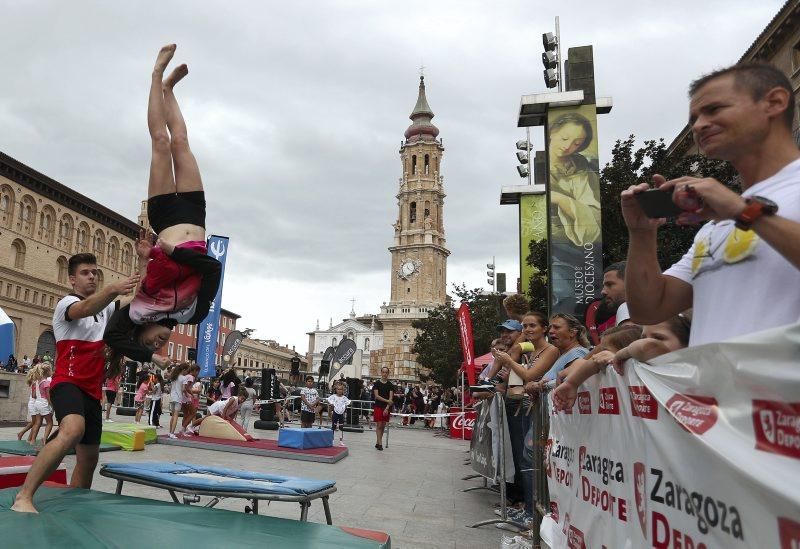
109 420
172 435
342 444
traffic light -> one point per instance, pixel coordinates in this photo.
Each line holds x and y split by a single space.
523 157
550 59
490 274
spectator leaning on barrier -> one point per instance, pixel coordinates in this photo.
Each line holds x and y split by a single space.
742 273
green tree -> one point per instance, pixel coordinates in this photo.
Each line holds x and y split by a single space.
438 343
630 165
537 285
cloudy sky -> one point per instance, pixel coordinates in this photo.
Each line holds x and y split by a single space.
296 111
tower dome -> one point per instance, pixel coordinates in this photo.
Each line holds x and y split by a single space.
421 126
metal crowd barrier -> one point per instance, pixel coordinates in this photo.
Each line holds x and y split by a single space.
540 421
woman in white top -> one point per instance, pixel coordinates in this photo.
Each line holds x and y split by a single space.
226 409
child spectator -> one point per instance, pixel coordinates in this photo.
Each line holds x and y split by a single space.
339 403
143 384
156 392
309 398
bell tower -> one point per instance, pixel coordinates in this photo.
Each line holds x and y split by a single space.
418 252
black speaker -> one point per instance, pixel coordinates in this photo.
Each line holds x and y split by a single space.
267 412
191 354
295 367
324 367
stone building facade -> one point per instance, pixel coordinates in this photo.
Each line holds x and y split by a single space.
778 44
365 331
43 223
255 354
418 252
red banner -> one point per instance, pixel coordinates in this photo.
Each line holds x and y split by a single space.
462 424
467 345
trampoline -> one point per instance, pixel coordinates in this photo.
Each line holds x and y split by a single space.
74 517
219 483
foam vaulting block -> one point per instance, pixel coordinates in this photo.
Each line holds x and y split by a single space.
216 427
305 438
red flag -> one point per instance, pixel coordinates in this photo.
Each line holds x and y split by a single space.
467 345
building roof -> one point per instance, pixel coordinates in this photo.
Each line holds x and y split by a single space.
37 182
785 21
225 311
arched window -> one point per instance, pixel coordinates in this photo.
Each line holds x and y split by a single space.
412 213
62 270
27 215
82 239
413 164
366 344
127 258
18 253
99 249
427 164
6 205
113 252
333 343
65 232
351 335
100 279
47 222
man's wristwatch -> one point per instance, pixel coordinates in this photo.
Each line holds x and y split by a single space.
756 206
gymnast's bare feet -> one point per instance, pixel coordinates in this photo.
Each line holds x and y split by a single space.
23 505
164 57
176 76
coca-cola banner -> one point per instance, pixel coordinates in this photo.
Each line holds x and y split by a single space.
700 448
462 423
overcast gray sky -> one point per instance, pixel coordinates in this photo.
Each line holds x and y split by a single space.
296 111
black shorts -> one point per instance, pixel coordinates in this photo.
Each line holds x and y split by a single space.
337 419
111 396
167 210
69 399
307 417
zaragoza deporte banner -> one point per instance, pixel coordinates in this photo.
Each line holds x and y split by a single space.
700 448
576 259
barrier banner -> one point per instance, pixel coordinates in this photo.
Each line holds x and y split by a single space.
484 448
463 421
698 449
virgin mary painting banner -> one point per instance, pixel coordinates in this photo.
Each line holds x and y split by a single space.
576 261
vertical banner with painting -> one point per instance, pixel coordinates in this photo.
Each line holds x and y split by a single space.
576 259
532 230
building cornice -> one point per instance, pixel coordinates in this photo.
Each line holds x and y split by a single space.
39 183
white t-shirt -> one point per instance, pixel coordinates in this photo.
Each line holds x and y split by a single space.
622 314
740 283
312 396
176 389
217 407
339 403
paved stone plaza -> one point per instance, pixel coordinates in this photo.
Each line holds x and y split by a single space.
412 490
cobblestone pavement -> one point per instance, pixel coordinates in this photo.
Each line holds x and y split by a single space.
411 490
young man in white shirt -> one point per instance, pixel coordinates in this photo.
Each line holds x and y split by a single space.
742 273
75 391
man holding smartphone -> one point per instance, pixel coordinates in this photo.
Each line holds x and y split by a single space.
742 273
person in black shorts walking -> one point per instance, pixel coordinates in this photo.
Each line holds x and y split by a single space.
383 391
